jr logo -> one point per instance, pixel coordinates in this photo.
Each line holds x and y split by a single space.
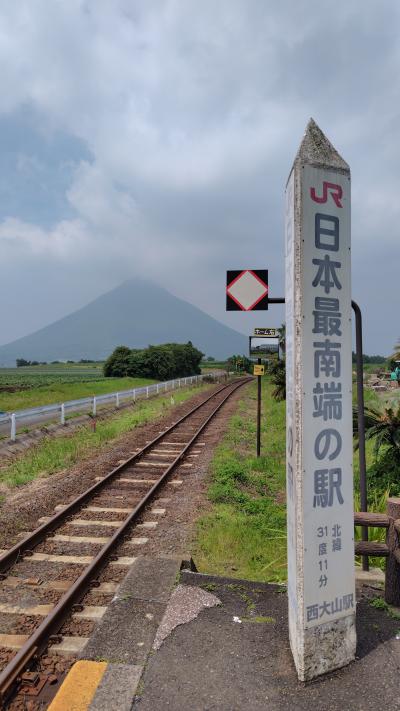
335 191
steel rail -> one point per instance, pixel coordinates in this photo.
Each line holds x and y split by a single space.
40 638
38 535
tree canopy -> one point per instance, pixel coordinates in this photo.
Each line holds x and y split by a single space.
169 360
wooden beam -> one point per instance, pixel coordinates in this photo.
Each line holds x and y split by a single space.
371 548
361 518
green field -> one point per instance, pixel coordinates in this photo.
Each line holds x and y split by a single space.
32 386
213 365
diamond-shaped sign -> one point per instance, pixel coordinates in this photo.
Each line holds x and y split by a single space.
247 290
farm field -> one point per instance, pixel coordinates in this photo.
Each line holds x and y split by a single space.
213 365
33 386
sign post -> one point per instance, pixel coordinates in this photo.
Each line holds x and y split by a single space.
259 409
319 409
247 290
259 346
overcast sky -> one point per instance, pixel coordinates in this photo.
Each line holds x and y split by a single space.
155 139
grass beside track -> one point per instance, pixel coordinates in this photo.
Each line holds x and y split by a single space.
53 454
244 533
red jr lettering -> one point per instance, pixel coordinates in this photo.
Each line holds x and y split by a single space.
335 191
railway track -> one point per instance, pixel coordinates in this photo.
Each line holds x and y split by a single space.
45 576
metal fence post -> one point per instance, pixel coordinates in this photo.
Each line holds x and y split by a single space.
13 427
94 410
62 414
361 422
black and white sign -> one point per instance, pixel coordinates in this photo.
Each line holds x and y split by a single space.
261 347
267 332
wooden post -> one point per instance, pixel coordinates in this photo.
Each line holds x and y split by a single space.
392 578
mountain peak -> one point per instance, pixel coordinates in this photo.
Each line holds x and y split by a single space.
136 313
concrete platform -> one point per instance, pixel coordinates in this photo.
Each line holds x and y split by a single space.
236 656
218 644
112 662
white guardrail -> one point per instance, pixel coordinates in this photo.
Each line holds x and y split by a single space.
92 403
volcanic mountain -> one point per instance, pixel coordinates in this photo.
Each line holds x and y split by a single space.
135 314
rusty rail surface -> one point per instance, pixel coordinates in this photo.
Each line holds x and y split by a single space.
47 631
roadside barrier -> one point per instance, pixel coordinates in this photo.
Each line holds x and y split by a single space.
91 404
390 549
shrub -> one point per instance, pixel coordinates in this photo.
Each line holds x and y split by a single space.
170 360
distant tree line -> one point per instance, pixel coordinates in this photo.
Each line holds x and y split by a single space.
169 360
21 362
378 359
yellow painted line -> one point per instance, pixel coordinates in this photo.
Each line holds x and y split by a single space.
79 687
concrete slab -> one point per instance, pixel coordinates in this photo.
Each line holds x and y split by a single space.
66 559
69 646
90 612
13 641
117 688
236 656
373 576
127 630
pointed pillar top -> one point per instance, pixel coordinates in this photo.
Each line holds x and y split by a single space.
316 149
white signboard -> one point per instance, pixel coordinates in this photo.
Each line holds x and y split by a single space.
327 399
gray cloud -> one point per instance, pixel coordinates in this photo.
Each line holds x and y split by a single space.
156 138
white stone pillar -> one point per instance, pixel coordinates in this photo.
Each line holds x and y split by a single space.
62 414
13 434
319 409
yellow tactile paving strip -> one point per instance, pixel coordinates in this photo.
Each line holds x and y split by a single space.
79 687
